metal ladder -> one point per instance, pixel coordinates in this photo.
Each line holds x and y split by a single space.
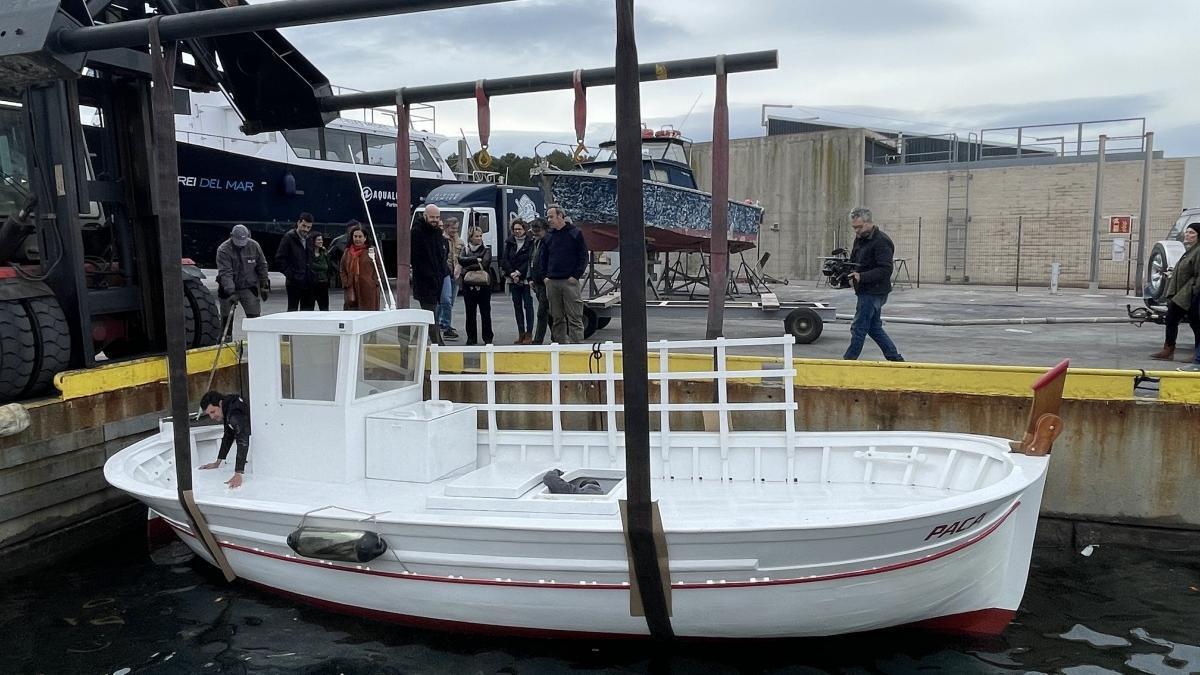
958 195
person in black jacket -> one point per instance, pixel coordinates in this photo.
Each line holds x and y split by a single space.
564 259
872 280
476 261
537 279
429 265
515 264
292 258
234 414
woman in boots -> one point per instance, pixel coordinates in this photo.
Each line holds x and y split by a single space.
1182 289
359 276
515 265
476 260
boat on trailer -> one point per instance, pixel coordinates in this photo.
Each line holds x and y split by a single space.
364 496
676 213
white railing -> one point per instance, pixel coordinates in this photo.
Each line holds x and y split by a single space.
607 374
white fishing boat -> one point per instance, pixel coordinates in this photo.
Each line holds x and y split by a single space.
363 496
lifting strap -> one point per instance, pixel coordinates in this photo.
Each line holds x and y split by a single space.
483 159
580 115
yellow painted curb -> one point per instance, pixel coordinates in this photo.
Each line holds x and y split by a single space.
124 374
984 380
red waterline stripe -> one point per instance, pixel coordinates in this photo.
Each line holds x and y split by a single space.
606 586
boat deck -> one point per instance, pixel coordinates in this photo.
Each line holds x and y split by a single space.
684 504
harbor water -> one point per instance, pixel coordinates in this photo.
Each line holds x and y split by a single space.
1102 609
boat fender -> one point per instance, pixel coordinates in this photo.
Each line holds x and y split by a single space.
342 545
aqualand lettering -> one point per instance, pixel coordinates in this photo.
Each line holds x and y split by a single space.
955 527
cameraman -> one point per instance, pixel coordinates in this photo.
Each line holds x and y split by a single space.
872 280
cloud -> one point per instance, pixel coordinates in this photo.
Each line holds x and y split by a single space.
924 65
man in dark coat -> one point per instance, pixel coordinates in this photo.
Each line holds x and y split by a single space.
234 415
429 251
872 280
292 258
564 257
241 275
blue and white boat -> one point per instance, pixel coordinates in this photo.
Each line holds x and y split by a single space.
678 215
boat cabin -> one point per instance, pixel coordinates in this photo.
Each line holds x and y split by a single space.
665 159
338 397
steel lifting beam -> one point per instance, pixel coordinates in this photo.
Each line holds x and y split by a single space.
526 84
242 19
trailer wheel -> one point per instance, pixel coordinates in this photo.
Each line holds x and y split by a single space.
1156 273
205 320
804 324
18 353
602 322
590 322
52 340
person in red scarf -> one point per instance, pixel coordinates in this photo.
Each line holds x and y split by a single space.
359 276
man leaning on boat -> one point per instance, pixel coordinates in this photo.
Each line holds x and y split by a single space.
234 415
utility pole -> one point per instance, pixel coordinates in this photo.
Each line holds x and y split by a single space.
1094 271
1144 212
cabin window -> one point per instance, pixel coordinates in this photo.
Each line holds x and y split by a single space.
388 360
660 175
308 367
340 144
456 216
306 143
381 150
483 222
420 159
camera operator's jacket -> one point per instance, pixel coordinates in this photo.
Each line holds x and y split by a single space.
873 255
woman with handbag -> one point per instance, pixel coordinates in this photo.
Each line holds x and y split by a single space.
476 260
359 276
515 265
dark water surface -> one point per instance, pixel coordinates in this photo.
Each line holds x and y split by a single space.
1120 609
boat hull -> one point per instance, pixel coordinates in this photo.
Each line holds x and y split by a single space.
973 583
677 218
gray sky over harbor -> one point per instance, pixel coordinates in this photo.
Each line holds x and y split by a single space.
930 66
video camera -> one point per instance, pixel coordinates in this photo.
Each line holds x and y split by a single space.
837 268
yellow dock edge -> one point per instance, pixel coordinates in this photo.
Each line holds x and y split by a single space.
1082 384
123 374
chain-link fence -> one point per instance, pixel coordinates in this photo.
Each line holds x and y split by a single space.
1017 250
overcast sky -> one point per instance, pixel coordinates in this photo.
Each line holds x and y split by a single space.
931 66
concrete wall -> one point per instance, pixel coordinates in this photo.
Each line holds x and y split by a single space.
54 500
1051 203
807 183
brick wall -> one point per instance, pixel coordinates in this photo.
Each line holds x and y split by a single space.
1050 205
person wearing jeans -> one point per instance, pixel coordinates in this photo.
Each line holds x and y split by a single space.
450 285
515 265
872 279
